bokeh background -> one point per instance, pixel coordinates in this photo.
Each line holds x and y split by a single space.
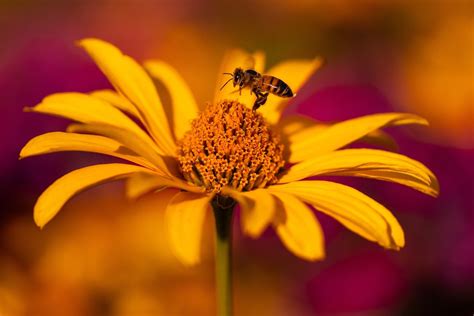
104 255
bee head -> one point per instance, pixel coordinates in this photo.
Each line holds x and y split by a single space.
238 77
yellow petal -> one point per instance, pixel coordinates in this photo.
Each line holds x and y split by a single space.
295 73
235 59
312 142
85 109
145 149
298 228
258 210
290 126
57 194
141 183
117 101
184 108
352 208
184 218
131 80
59 141
368 163
380 139
90 110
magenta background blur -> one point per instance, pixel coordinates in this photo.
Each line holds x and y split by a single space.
104 255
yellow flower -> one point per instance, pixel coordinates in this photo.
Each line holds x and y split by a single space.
224 152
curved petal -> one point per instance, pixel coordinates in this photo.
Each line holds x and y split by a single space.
131 80
381 139
368 163
87 109
142 183
298 228
118 101
57 194
295 73
184 107
351 208
129 140
184 218
234 59
290 126
258 209
84 108
312 142
60 141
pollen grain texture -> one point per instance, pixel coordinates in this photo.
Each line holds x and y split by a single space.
230 145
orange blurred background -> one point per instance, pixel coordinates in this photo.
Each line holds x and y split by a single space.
104 255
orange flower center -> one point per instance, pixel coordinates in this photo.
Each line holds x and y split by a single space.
229 144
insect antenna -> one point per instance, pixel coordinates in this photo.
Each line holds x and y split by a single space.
226 83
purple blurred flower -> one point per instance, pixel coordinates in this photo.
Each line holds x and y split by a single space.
366 281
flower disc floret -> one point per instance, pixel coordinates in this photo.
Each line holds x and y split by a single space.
229 144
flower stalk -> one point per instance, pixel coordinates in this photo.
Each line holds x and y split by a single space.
223 211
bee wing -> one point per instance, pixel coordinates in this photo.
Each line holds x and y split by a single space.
249 62
255 61
259 61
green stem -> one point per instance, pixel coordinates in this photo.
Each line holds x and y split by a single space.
223 210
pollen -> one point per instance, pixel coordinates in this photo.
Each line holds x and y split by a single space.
230 145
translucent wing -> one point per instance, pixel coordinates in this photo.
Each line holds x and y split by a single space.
255 61
249 62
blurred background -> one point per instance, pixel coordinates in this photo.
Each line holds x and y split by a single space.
104 255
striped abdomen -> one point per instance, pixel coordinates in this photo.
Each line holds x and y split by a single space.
276 86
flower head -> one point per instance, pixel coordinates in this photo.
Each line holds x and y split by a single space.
230 145
225 150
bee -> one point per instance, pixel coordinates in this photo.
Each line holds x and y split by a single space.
260 85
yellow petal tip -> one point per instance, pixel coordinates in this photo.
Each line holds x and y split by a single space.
39 222
87 40
424 121
397 247
318 257
189 263
418 119
252 233
434 186
319 61
83 42
95 45
150 62
314 257
394 243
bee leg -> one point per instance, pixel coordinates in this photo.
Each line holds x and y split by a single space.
261 99
255 91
